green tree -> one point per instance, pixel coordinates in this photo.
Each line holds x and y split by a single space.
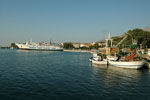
13 45
84 48
140 36
68 46
95 46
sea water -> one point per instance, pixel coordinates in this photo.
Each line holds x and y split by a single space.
47 75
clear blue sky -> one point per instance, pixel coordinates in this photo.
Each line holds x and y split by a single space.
70 20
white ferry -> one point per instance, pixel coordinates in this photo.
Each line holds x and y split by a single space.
39 46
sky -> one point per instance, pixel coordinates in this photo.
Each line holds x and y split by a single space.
69 20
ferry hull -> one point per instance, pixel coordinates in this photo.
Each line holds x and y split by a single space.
42 49
127 64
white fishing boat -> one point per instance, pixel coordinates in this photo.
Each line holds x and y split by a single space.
98 60
124 61
103 62
127 64
112 58
38 46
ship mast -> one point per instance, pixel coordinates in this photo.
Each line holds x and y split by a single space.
107 44
108 39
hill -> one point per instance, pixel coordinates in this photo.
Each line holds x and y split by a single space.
139 36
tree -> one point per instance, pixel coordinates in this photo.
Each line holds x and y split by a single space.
13 45
140 36
95 46
68 46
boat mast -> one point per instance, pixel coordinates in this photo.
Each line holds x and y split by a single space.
108 39
107 44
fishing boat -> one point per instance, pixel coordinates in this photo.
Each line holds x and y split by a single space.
128 62
112 58
104 62
96 59
38 46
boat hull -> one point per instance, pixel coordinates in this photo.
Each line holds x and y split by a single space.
127 64
112 58
99 62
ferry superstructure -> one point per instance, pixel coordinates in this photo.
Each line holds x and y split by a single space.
39 46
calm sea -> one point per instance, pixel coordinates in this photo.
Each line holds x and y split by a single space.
37 75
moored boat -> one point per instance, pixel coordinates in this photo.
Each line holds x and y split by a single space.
112 58
38 46
96 59
127 64
104 62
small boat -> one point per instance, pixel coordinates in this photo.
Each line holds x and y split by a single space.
95 57
112 58
104 62
127 64
98 60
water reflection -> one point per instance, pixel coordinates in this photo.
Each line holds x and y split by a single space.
116 77
33 51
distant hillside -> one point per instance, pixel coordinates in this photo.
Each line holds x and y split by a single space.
139 36
147 29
